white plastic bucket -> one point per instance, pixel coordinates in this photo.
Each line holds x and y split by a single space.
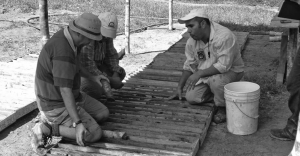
242 103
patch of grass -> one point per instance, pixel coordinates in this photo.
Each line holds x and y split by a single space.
270 3
234 17
267 83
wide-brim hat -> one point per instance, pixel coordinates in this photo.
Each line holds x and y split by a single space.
109 24
193 13
87 25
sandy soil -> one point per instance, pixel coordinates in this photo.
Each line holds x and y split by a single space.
259 56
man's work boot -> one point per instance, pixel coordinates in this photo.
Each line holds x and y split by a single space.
39 139
281 134
220 115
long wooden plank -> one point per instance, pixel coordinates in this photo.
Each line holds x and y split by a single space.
152 106
72 152
124 127
10 119
281 70
206 107
166 67
153 114
152 82
154 93
161 72
135 149
276 22
196 116
155 77
196 124
147 89
121 98
291 49
87 149
149 145
158 135
162 142
143 86
157 125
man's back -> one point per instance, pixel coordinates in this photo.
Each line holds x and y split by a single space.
56 68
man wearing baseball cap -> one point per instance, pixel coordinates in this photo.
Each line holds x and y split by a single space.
213 60
65 111
100 58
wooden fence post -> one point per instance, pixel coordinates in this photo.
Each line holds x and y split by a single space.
170 14
291 49
44 26
127 26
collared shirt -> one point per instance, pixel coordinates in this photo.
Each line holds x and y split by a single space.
57 67
70 40
221 51
98 53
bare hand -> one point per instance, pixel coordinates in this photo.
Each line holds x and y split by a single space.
192 80
98 78
177 95
80 132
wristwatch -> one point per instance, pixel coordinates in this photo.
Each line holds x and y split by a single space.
76 123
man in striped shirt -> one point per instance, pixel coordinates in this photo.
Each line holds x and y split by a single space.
100 58
213 60
65 111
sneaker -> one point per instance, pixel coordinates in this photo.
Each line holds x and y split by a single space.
38 140
281 134
220 116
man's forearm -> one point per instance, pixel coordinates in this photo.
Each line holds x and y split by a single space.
70 104
185 75
208 72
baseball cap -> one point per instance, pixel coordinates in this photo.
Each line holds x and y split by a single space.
87 25
193 13
109 24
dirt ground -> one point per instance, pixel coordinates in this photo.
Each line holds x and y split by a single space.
18 39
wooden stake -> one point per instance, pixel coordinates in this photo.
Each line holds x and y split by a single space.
127 26
291 49
170 14
282 60
43 8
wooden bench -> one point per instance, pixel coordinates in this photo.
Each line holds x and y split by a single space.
288 48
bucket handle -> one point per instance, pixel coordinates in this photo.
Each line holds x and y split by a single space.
243 112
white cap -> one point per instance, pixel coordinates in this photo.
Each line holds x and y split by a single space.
193 13
109 24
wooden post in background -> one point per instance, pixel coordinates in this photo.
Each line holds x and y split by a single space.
127 26
291 49
170 14
281 70
44 26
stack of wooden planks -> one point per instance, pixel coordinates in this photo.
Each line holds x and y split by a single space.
153 124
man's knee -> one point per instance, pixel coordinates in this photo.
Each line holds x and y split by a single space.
102 116
191 98
94 134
